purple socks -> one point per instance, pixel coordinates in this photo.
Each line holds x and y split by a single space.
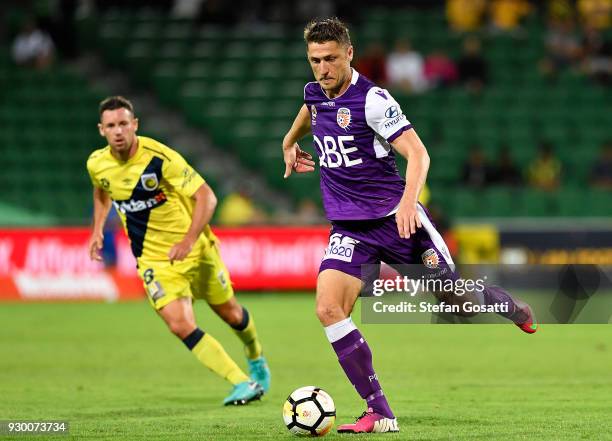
355 358
495 295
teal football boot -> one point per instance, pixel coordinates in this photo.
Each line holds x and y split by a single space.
243 393
260 372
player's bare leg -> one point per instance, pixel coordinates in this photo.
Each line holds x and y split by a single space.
180 319
336 295
237 316
230 312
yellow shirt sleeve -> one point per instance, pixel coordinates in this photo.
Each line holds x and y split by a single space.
180 175
92 175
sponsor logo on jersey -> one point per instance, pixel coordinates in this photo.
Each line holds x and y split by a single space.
392 112
222 279
313 112
188 175
343 117
340 247
135 206
155 290
334 151
394 121
430 258
149 181
329 103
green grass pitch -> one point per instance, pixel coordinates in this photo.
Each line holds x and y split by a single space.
116 373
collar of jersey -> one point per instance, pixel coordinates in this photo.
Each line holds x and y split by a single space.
354 78
133 158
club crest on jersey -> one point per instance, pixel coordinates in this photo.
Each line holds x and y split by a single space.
430 258
343 117
149 181
313 112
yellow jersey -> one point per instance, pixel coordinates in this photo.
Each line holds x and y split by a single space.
152 194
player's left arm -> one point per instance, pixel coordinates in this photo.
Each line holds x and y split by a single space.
385 117
410 146
186 181
203 210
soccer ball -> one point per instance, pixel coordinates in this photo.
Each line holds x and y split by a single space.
309 411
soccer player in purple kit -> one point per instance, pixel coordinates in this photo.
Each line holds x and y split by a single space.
375 216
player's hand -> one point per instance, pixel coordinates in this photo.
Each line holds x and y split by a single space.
95 246
180 250
407 219
298 160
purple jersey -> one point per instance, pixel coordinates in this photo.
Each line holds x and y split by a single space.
352 135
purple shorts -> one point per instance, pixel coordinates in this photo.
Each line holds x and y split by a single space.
370 242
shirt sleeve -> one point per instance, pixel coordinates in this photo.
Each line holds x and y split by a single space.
384 115
180 175
92 175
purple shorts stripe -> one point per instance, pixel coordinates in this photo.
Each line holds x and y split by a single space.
351 270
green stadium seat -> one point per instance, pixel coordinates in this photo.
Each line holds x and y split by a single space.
500 202
259 89
213 33
571 202
295 51
270 70
203 51
202 71
167 79
536 203
465 203
194 96
177 31
232 70
139 58
599 203
273 50
238 50
173 51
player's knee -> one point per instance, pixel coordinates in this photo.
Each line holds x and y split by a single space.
329 313
181 328
232 316
230 312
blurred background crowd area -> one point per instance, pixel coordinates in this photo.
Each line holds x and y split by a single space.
511 97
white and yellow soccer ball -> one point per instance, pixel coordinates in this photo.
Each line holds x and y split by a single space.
309 411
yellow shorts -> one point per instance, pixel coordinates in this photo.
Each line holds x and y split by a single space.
205 278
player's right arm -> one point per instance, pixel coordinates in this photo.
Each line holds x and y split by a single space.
295 158
102 205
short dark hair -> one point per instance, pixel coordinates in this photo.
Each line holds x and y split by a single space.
327 29
114 103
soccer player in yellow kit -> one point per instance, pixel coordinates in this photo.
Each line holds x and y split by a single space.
165 207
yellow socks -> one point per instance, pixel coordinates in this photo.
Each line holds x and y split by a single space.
212 355
247 332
